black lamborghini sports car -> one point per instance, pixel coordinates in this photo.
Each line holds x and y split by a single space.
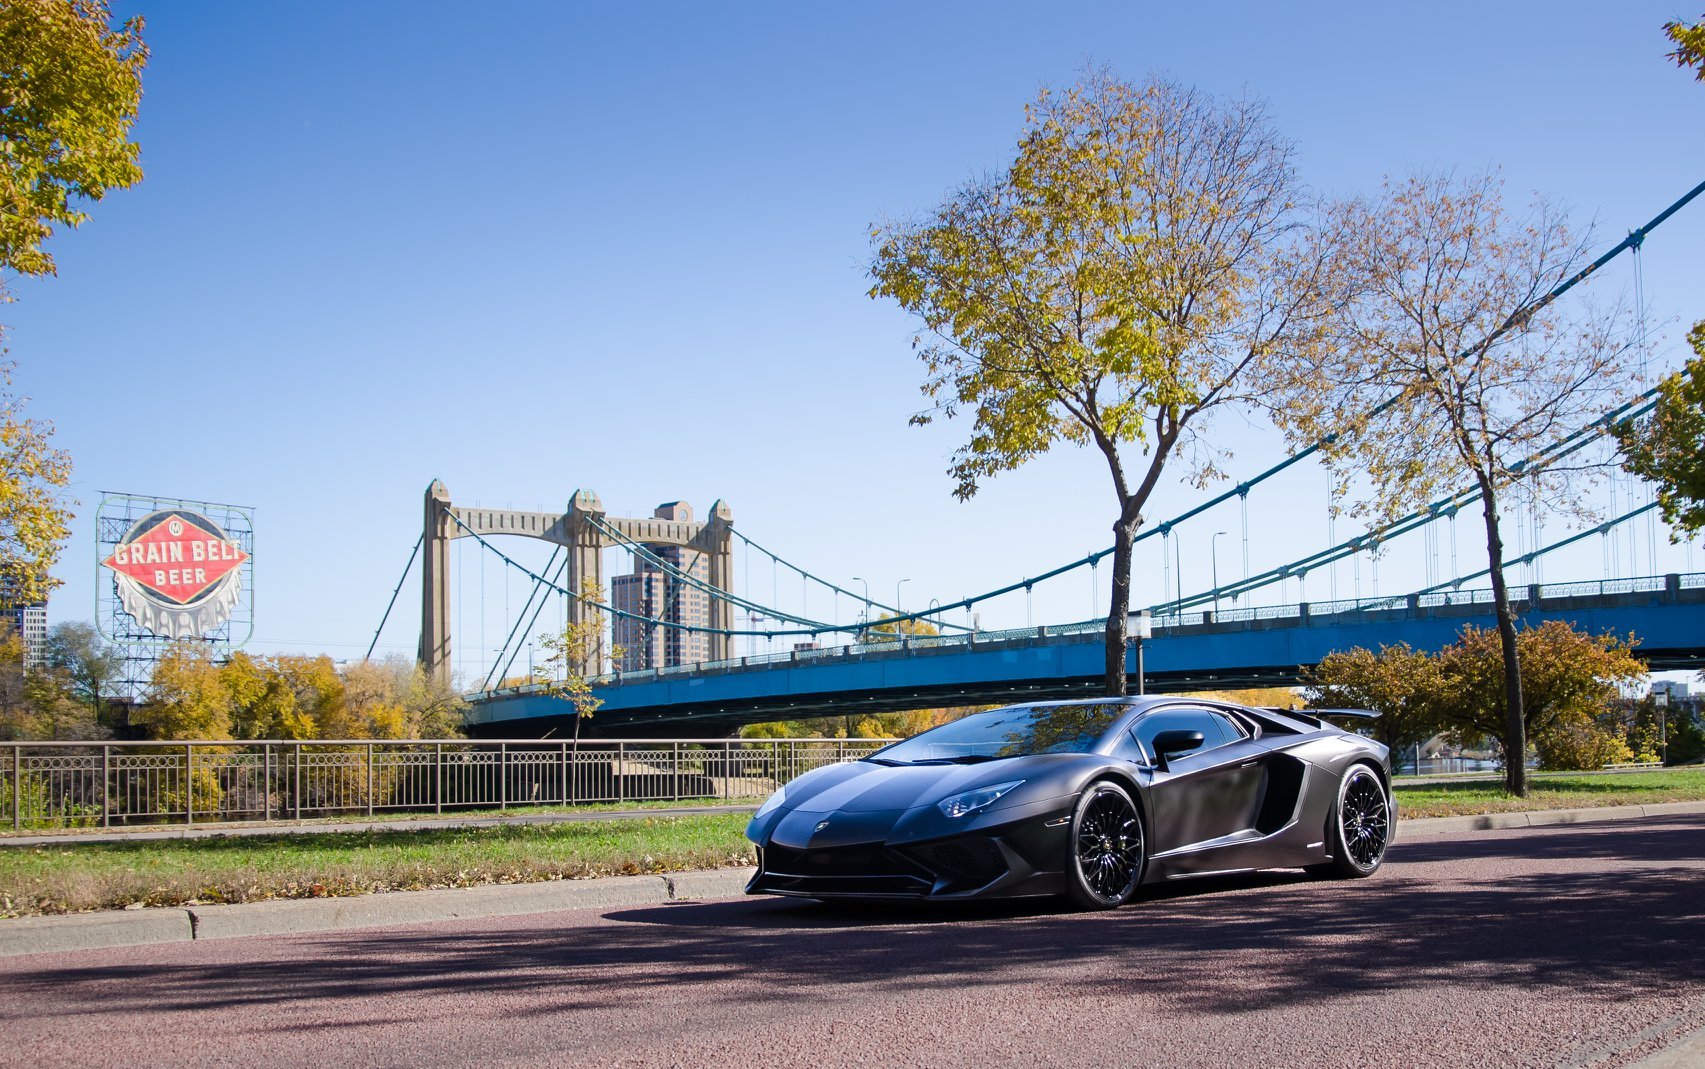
1089 799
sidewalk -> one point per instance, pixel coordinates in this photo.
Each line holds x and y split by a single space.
180 924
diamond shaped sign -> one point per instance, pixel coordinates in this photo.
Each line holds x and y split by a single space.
177 558
177 573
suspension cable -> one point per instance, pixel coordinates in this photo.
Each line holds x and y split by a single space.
413 553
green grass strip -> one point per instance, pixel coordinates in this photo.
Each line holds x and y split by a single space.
1569 790
74 877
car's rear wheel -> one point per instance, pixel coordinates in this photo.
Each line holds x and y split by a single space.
1360 828
1106 860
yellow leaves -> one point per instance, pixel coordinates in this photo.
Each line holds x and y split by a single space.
1690 45
34 512
74 83
291 697
574 653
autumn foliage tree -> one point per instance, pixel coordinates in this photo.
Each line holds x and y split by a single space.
1569 680
1402 684
1142 256
34 512
246 697
70 85
1452 364
39 702
888 627
562 672
1668 446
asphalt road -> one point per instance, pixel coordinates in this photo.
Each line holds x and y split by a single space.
1579 946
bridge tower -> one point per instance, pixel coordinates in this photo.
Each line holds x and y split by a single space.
584 530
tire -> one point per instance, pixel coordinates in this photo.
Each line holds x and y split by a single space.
1105 851
1359 829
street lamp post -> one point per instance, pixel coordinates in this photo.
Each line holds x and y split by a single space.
866 582
1214 550
1139 625
1178 576
899 631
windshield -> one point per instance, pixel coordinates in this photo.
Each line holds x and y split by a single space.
1016 731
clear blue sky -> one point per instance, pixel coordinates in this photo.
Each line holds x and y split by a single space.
529 248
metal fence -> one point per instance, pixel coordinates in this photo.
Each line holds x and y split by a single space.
56 785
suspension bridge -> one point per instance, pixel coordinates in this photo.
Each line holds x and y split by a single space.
682 586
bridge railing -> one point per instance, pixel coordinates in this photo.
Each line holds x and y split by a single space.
64 784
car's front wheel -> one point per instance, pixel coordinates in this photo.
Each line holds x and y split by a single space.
1360 828
1106 862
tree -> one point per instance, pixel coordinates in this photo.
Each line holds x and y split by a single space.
188 698
39 702
1686 740
396 698
1668 446
1569 680
58 712
1400 683
91 667
568 653
1452 364
1689 45
888 627
34 516
1578 742
17 716
70 84
1142 255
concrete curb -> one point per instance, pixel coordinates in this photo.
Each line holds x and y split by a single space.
1538 819
98 931
1688 1052
94 931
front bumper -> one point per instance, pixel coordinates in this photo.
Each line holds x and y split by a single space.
1010 862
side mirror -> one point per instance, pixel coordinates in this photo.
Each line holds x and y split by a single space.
1173 743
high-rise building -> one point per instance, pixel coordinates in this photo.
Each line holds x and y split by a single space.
655 591
27 619
32 624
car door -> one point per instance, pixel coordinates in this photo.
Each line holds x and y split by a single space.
1208 794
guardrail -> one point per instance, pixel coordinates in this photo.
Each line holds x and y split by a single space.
65 784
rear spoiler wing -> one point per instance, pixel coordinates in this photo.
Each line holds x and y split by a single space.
1354 714
1317 716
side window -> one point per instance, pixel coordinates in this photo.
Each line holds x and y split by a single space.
1179 720
1126 749
1229 731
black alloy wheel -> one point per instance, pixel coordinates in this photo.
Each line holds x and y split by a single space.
1106 862
1361 827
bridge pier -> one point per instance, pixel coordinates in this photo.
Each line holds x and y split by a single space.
717 541
586 573
435 584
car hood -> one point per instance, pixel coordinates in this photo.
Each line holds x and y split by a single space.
869 787
866 802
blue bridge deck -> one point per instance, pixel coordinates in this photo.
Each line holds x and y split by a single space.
1191 651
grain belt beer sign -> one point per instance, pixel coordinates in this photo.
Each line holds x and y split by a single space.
177 573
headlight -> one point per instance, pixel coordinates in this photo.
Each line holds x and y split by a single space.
771 803
963 804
